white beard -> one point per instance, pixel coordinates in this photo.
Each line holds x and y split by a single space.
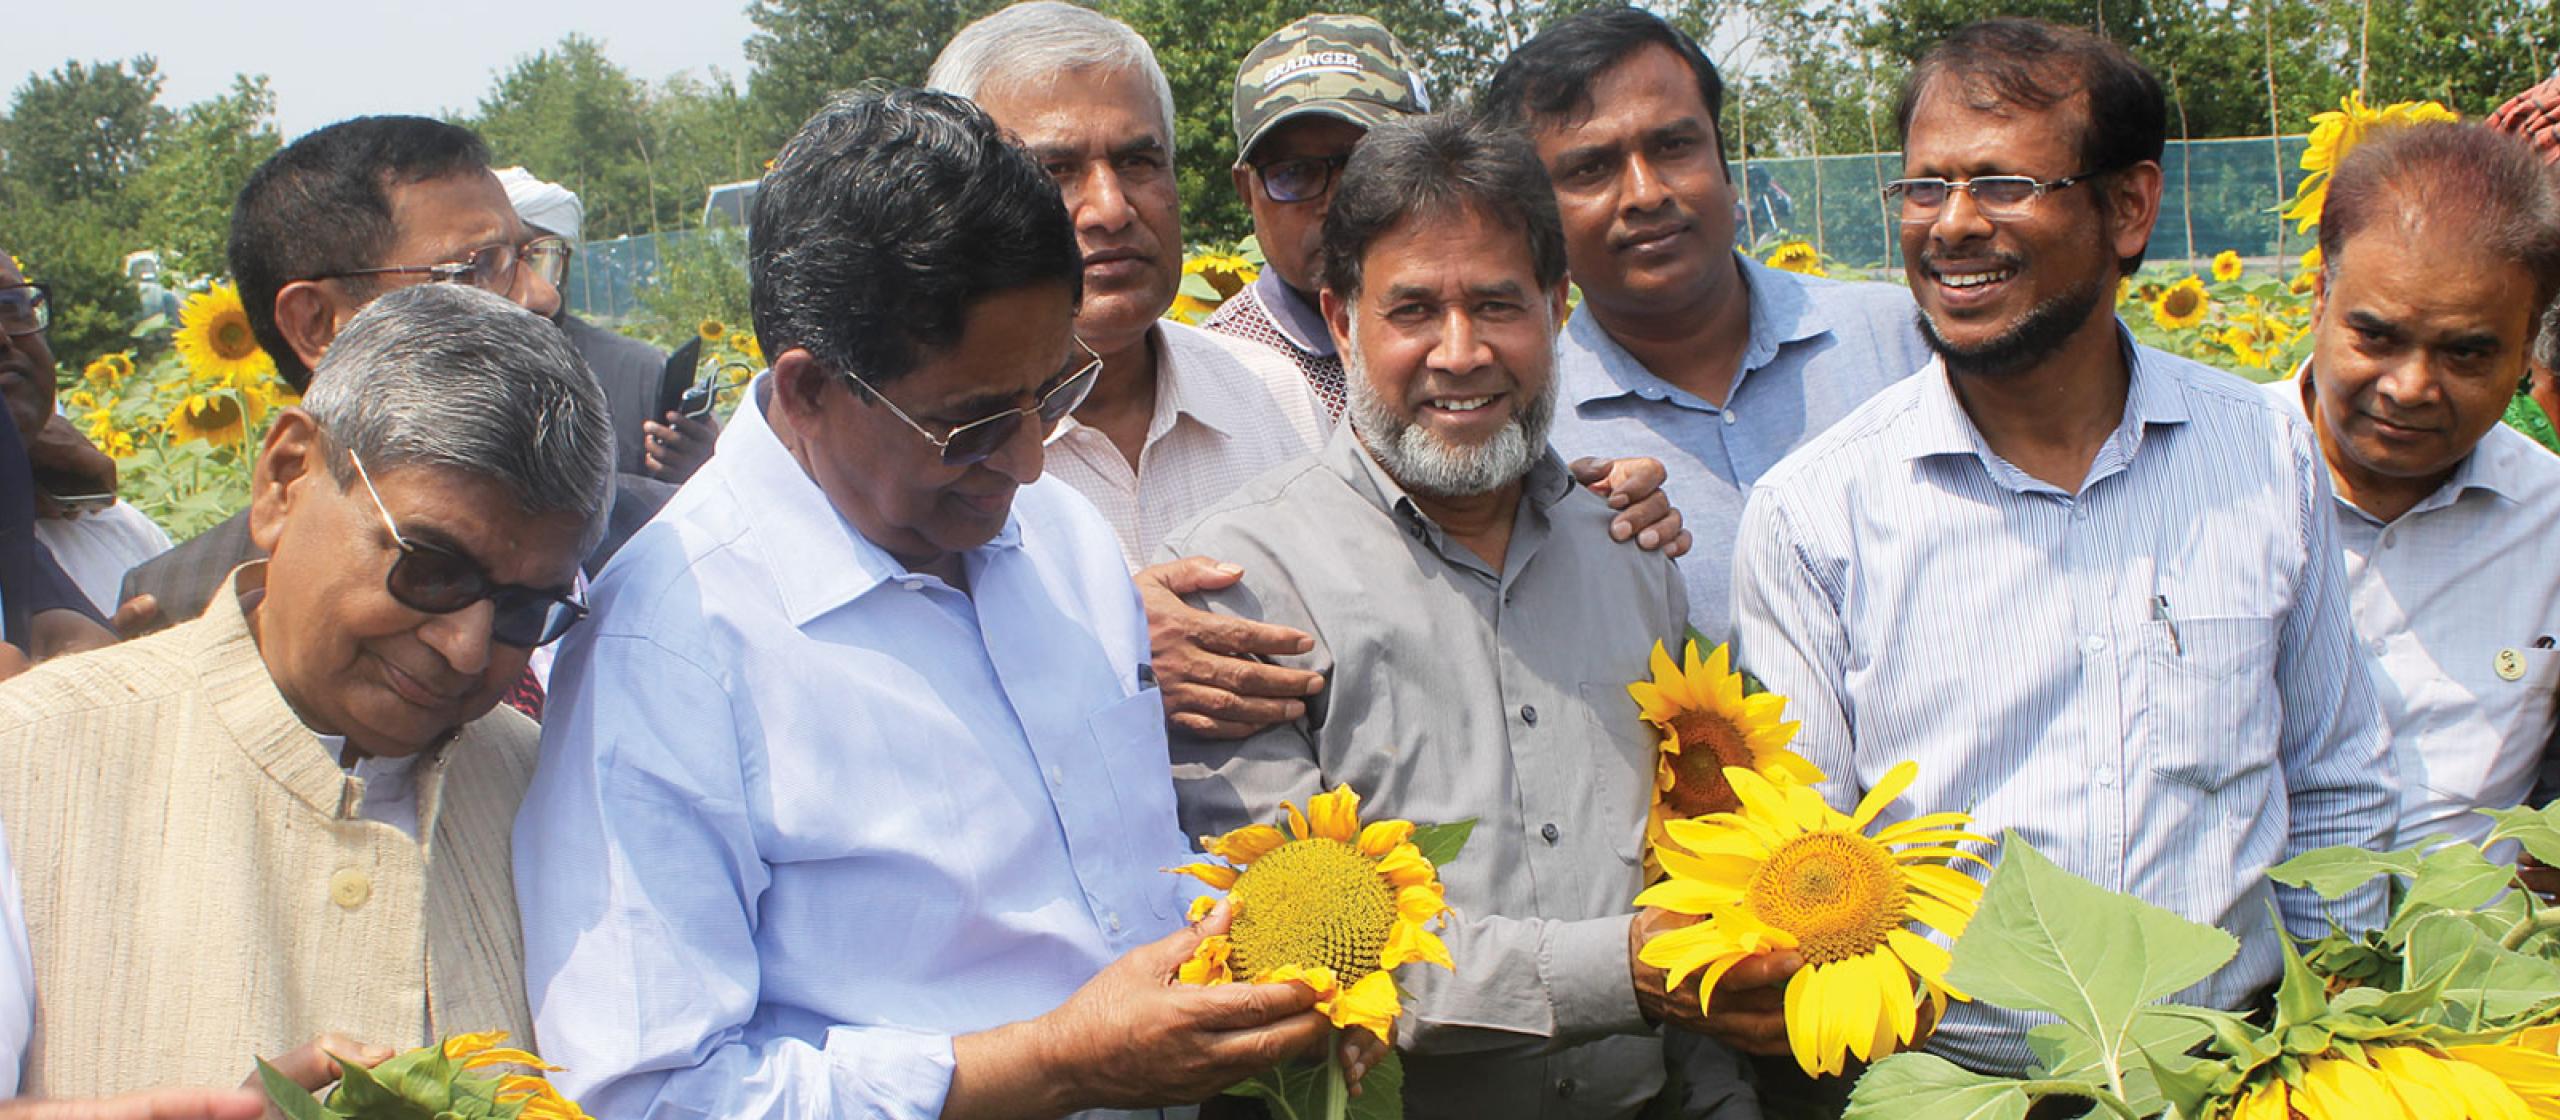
1423 463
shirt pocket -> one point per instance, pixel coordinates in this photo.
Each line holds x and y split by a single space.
1622 761
1128 736
2211 713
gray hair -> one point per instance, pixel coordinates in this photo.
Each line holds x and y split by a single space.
1038 40
2546 346
445 375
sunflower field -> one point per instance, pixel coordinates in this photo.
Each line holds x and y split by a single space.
183 423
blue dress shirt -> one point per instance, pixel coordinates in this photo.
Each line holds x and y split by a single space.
804 815
2154 680
1819 348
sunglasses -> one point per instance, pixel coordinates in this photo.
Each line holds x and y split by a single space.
438 580
1299 180
974 441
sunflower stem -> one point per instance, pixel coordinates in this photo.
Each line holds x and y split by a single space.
2082 1089
1337 1094
2542 922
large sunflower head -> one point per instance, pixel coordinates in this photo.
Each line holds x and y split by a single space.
218 418
2181 305
2518 1078
1789 872
1798 256
2333 135
1330 903
1706 725
214 338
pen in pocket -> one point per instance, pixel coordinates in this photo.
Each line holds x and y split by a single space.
2160 612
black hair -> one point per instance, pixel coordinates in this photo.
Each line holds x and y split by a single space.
886 218
1550 76
322 205
1440 166
2033 64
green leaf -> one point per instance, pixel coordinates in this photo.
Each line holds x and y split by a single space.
1381 1091
359 1094
2068 1055
2047 940
1296 1091
2456 877
1441 843
2333 872
2537 829
1198 287
294 1101
2483 983
1916 1086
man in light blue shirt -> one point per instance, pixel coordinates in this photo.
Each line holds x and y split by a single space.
854 798
2092 589
1683 350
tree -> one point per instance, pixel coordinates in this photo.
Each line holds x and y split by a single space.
203 161
803 50
82 131
572 116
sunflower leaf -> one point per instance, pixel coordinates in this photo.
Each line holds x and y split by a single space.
1295 1091
294 1101
2537 829
1441 843
2068 1055
2483 982
2332 872
1917 1086
1381 1091
2047 940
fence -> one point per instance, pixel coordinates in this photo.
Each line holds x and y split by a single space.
2216 195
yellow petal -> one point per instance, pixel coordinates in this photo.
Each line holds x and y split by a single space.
1895 781
465 1045
1803 1023
1297 821
1316 978
1221 877
1688 896
1369 1004
1422 903
1405 867
1244 845
2421 1082
1381 837
1208 964
1201 906
1408 942
2343 1087
1335 814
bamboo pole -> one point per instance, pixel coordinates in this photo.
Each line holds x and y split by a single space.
2186 168
2275 126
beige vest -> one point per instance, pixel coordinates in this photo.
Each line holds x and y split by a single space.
200 890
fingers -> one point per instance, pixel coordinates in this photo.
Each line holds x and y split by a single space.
1188 575
151 1104
1246 1007
1762 1033
138 616
1211 707
314 1064
1590 472
1359 1050
1768 973
1651 522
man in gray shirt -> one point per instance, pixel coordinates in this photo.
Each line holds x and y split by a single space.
1477 630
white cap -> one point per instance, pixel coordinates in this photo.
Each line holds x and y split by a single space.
549 207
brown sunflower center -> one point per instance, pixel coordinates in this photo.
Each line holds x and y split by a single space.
1708 743
218 411
1311 902
1838 893
231 338
2181 302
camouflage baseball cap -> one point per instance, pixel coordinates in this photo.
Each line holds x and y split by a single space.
1348 67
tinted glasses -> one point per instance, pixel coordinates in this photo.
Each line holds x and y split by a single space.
25 309
1299 180
972 442
438 580
2000 198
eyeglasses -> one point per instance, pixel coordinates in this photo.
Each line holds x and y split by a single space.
1299 180
489 268
974 441
25 309
2000 198
437 580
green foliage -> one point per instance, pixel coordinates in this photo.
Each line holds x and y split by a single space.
1300 1091
1440 843
204 159
420 1084
804 50
1917 1086
82 131
697 278
76 249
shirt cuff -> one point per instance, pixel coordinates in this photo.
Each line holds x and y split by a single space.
1589 979
886 1072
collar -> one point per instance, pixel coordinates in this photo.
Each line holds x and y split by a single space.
1297 320
818 561
2491 461
1548 482
2156 394
259 721
1782 315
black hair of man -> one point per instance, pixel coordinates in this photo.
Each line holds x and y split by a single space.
1550 76
2031 64
1439 167
886 218
322 205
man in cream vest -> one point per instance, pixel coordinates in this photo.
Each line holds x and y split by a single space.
292 815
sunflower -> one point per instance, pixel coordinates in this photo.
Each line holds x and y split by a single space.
746 345
2181 306
2243 351
1226 272
1789 872
214 338
2519 1078
1798 256
102 372
1707 725
216 418
1329 904
711 330
2333 135
2226 266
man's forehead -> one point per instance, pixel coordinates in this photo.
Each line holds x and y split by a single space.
481 518
452 214
1088 107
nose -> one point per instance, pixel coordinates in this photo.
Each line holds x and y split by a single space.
1461 349
1097 199
2409 381
1645 189
1022 456
533 293
463 638
1959 220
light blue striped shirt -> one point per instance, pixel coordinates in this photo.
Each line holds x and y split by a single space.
1916 597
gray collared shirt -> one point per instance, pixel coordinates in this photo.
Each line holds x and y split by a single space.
1456 691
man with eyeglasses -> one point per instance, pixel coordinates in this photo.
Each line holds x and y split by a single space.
853 798
325 225
291 815
1683 349
2093 589
43 612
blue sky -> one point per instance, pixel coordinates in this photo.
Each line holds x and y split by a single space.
333 60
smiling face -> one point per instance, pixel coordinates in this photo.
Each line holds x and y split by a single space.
2419 343
1102 135
350 658
27 371
1648 212
1996 297
1450 348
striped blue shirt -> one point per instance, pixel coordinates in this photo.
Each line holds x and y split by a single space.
2154 680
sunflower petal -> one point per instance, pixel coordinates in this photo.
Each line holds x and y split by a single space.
1216 875
1381 837
1422 903
1408 942
1895 782
1370 1004
1244 845
1208 964
1316 978
1406 867
1335 814
1297 821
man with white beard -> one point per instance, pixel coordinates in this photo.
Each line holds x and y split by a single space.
1476 629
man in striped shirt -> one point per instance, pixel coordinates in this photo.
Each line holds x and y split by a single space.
2092 589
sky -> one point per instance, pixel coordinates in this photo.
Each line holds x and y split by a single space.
333 59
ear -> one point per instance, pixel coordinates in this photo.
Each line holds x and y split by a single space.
308 315
1243 177
2132 202
292 460
2320 290
800 386
1557 307
1337 318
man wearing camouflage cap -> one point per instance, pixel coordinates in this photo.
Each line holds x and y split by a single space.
1304 98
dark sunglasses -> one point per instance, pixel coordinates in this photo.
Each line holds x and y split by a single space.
1299 180
974 441
437 580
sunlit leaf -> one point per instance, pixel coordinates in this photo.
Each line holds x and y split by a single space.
1917 1086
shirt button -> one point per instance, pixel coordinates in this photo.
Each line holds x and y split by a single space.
2094 643
1551 832
2106 776
1566 1087
2389 541
1057 778
2080 511
912 584
349 888
1730 419
1112 920
2379 647
1529 715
